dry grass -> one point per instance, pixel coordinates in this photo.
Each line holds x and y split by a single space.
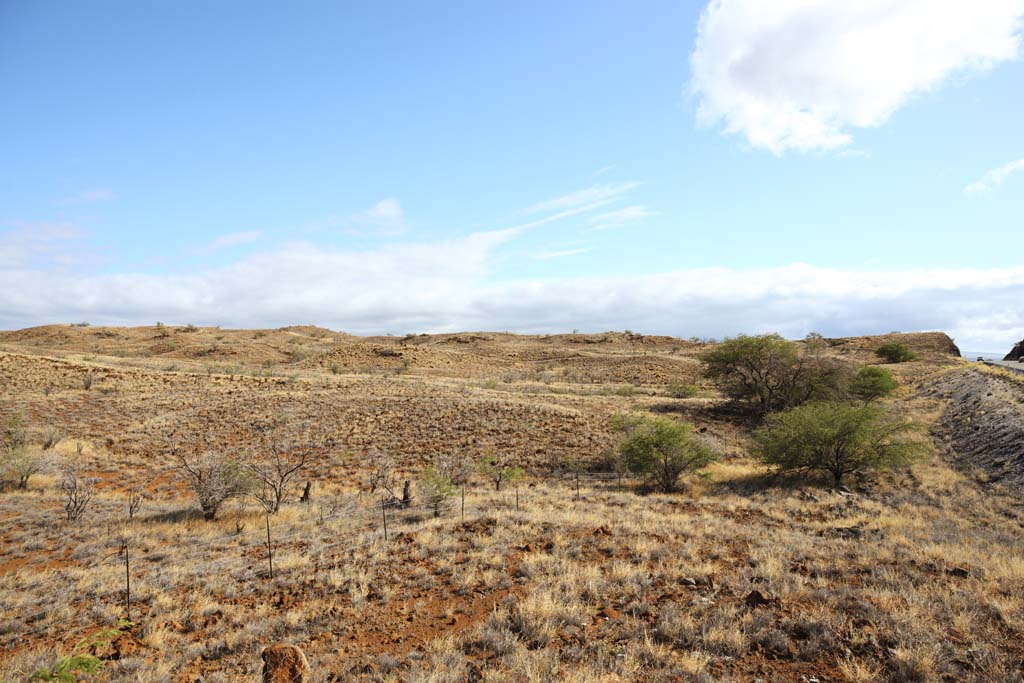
915 577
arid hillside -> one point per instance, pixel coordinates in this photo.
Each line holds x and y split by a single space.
571 573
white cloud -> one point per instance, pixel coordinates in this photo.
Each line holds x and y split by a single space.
383 218
448 285
993 179
799 74
548 255
234 239
596 195
620 217
35 244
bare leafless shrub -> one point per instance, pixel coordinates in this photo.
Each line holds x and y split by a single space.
78 493
135 498
213 476
279 458
87 381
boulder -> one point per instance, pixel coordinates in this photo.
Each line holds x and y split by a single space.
284 664
1017 352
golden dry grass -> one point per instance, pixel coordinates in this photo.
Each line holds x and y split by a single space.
917 576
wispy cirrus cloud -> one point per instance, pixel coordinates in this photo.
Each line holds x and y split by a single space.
801 74
993 179
560 253
229 241
620 217
594 196
35 244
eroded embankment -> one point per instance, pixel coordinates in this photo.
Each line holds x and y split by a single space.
983 423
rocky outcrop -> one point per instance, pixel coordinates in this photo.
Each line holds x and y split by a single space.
1017 352
982 426
284 664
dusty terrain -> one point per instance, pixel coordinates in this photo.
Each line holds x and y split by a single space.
912 576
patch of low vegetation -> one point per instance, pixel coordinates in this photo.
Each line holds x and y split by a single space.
895 352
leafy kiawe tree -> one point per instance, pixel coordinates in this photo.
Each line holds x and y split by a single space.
436 490
660 449
894 352
837 439
768 373
872 382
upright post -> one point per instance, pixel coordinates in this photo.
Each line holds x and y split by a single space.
517 499
384 513
463 502
127 584
577 485
270 549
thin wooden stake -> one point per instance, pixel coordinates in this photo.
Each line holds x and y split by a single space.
270 549
463 502
384 512
517 499
127 583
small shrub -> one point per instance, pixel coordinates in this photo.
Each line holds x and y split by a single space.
661 449
677 389
436 490
78 494
87 381
499 470
872 383
213 477
894 352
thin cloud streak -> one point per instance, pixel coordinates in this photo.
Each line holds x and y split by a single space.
994 179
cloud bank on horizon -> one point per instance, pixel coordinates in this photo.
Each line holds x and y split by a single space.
444 287
800 74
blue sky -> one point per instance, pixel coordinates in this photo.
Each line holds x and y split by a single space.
686 168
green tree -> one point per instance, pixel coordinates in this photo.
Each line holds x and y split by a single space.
837 439
769 373
661 449
894 352
872 382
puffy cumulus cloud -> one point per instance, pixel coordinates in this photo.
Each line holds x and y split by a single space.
799 74
448 286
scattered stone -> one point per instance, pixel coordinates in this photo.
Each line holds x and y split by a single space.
688 582
958 572
284 664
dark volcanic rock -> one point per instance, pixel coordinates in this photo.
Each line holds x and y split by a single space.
983 423
1017 352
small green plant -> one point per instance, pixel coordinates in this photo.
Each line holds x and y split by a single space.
872 383
499 470
678 389
436 489
81 659
894 352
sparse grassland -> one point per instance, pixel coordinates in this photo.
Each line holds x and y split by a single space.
914 576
